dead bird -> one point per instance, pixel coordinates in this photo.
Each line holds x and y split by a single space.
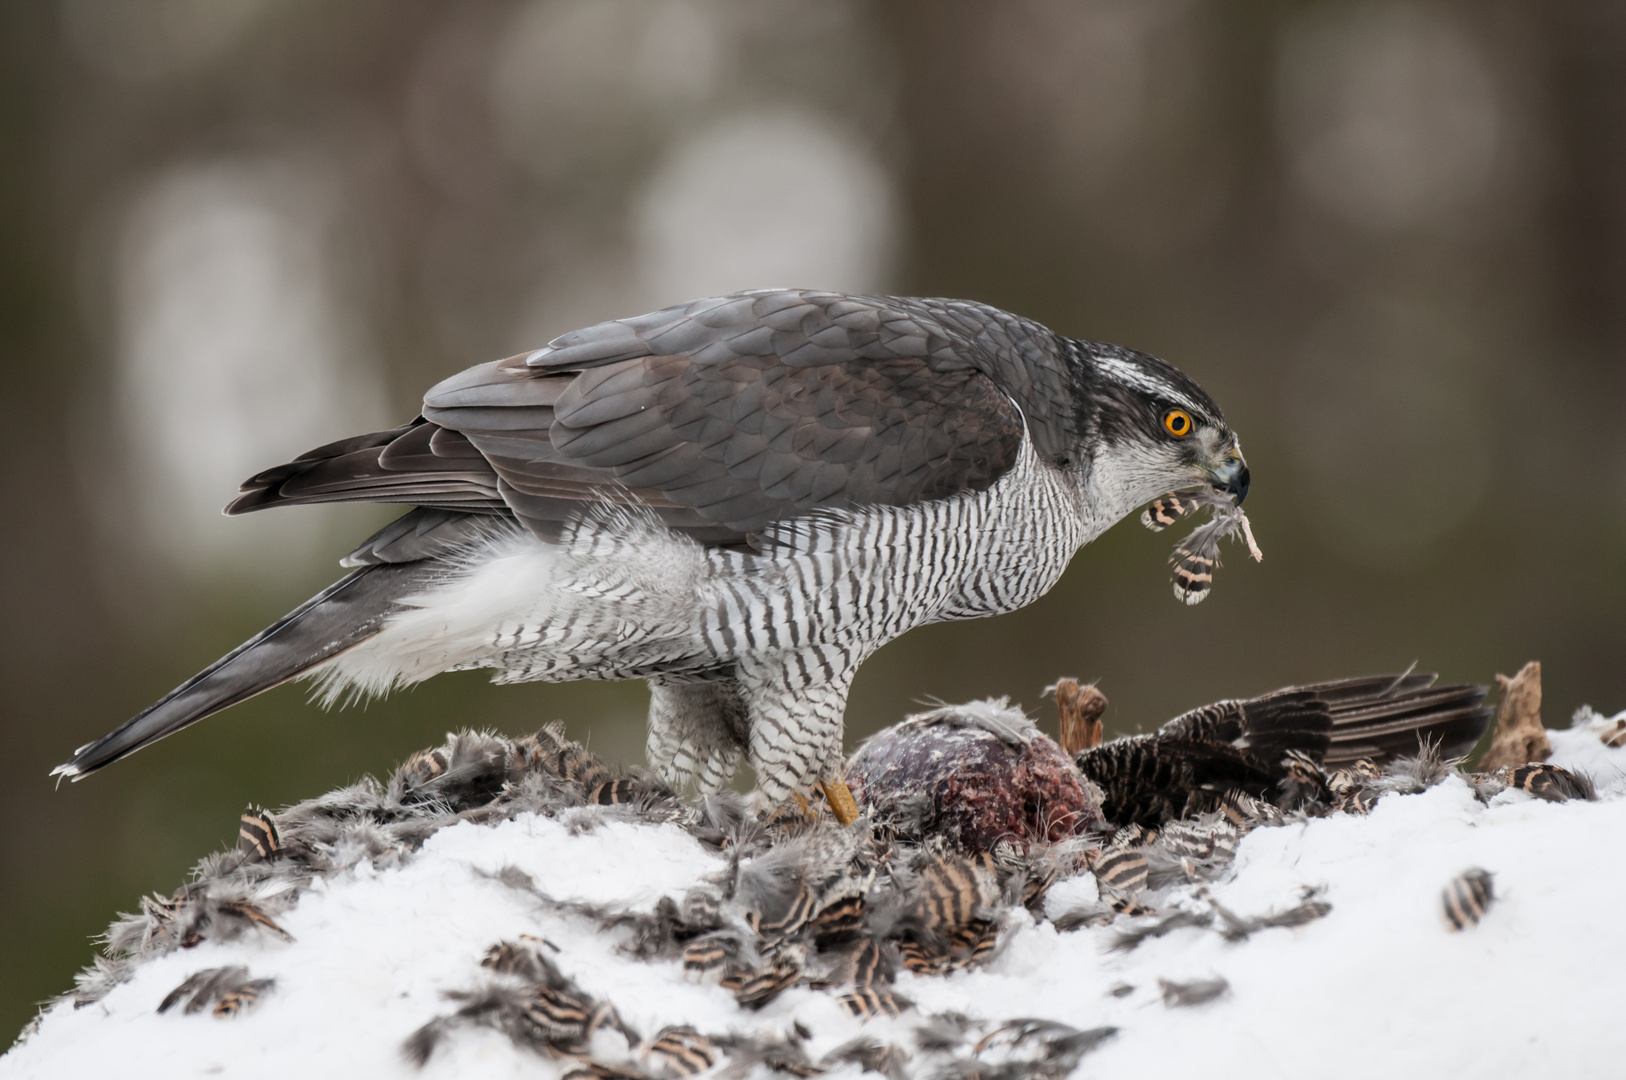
1274 747
977 774
1468 896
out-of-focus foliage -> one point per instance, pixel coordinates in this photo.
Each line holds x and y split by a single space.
1389 237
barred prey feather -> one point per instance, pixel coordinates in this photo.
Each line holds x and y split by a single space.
1196 557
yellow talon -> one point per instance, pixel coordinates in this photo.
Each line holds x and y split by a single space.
840 800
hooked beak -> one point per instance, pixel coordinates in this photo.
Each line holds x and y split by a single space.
1232 477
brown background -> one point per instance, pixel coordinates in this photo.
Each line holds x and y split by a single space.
1389 238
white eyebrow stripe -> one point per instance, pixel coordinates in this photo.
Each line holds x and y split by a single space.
1131 374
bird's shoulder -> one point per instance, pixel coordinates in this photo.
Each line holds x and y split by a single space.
756 406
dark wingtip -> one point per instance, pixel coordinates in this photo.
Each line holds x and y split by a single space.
250 500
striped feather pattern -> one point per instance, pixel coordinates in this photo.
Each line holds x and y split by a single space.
750 654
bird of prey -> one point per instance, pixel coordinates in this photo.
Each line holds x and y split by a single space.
738 499
1190 764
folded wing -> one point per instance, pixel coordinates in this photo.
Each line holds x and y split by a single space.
721 417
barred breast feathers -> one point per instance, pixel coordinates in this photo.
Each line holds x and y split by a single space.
622 596
515 592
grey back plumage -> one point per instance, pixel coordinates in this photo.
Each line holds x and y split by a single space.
722 415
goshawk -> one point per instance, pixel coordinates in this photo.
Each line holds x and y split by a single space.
738 499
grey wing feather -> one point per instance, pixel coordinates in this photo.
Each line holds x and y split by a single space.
417 463
721 416
424 533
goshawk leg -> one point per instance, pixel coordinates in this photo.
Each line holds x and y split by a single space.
795 703
697 731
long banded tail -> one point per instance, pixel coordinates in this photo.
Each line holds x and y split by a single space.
1388 716
344 614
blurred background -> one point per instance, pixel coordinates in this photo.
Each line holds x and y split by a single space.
1390 238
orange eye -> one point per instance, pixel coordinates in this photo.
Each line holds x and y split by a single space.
1177 422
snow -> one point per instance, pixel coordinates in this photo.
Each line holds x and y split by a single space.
1380 986
1581 747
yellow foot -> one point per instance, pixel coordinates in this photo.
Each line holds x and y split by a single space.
840 800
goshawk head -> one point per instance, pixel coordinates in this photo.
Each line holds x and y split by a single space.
1150 429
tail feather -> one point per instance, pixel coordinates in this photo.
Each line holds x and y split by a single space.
1361 689
344 614
1338 722
1387 723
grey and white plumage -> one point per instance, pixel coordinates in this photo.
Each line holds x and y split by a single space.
738 499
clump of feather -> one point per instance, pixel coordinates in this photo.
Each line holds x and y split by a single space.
1197 555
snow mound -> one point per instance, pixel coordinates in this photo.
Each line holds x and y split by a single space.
1380 985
